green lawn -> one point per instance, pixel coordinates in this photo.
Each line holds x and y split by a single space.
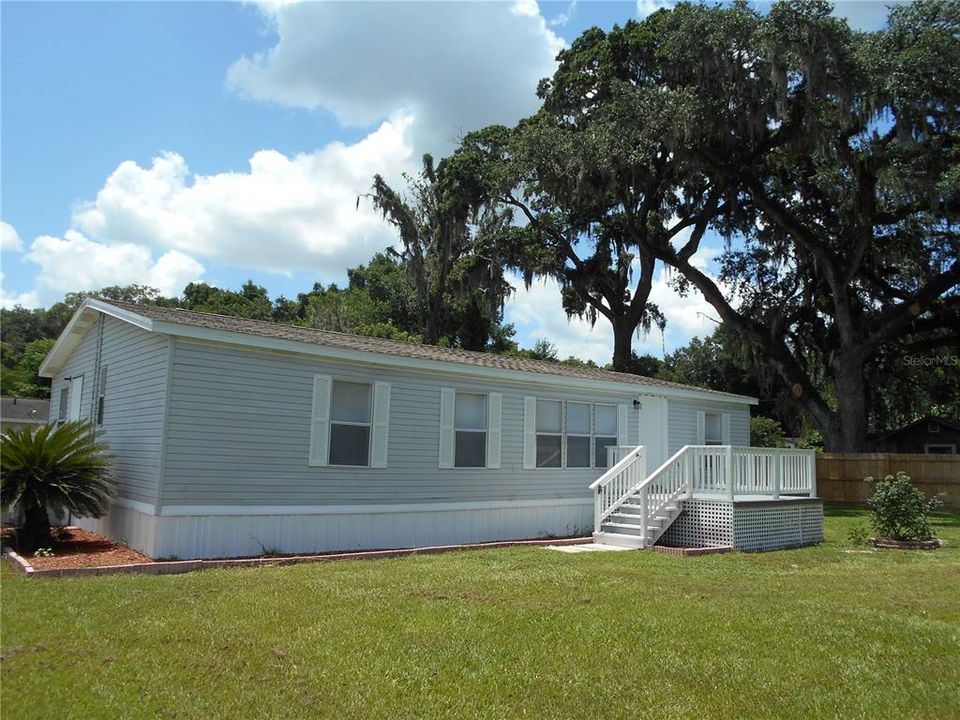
819 632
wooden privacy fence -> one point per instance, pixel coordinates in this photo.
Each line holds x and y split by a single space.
840 475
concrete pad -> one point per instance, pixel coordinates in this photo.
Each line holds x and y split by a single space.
587 547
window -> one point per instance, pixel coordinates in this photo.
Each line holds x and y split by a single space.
350 424
940 449
470 429
712 429
549 433
101 393
64 403
933 427
578 434
605 432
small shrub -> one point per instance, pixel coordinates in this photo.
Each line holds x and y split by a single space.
859 534
766 432
43 552
899 509
53 466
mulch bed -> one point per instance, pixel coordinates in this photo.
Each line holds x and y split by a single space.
78 552
889 544
76 548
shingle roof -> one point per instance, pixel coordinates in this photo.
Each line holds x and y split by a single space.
24 409
395 348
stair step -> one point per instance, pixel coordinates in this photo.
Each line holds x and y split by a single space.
638 508
631 518
622 525
629 528
630 541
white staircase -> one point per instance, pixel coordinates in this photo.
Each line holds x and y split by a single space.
625 527
632 509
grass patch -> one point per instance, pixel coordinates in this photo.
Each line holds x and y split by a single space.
829 631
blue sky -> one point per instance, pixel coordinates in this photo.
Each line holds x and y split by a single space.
167 142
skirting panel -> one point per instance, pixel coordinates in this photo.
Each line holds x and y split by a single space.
136 530
770 525
703 523
188 537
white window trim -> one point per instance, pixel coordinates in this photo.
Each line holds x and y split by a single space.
485 431
952 446
368 424
75 399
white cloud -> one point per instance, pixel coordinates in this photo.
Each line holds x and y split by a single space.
564 17
538 312
75 262
648 7
285 214
8 300
9 238
454 66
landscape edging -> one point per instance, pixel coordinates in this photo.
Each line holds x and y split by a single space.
175 567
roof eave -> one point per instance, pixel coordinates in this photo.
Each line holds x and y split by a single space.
78 326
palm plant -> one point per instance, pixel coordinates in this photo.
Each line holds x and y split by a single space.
61 466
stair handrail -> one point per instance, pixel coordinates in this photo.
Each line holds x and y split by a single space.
616 485
605 506
627 459
684 484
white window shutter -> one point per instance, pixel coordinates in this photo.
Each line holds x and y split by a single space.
623 424
701 427
320 421
381 424
529 433
75 398
725 429
448 399
494 403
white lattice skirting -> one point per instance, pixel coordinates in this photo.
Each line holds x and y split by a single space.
750 525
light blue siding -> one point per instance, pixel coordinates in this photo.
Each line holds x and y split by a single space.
682 421
239 426
136 363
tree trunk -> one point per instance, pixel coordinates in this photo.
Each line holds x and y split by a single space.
849 432
35 532
623 331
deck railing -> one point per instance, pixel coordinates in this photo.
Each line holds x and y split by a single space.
702 469
731 470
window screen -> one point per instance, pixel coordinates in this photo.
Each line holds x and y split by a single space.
549 433
350 423
470 427
64 402
605 429
578 434
712 432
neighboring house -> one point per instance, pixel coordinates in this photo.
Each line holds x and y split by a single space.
23 412
234 437
929 435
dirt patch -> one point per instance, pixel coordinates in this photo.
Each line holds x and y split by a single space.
75 548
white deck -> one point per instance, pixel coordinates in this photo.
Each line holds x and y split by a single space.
705 495
751 498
